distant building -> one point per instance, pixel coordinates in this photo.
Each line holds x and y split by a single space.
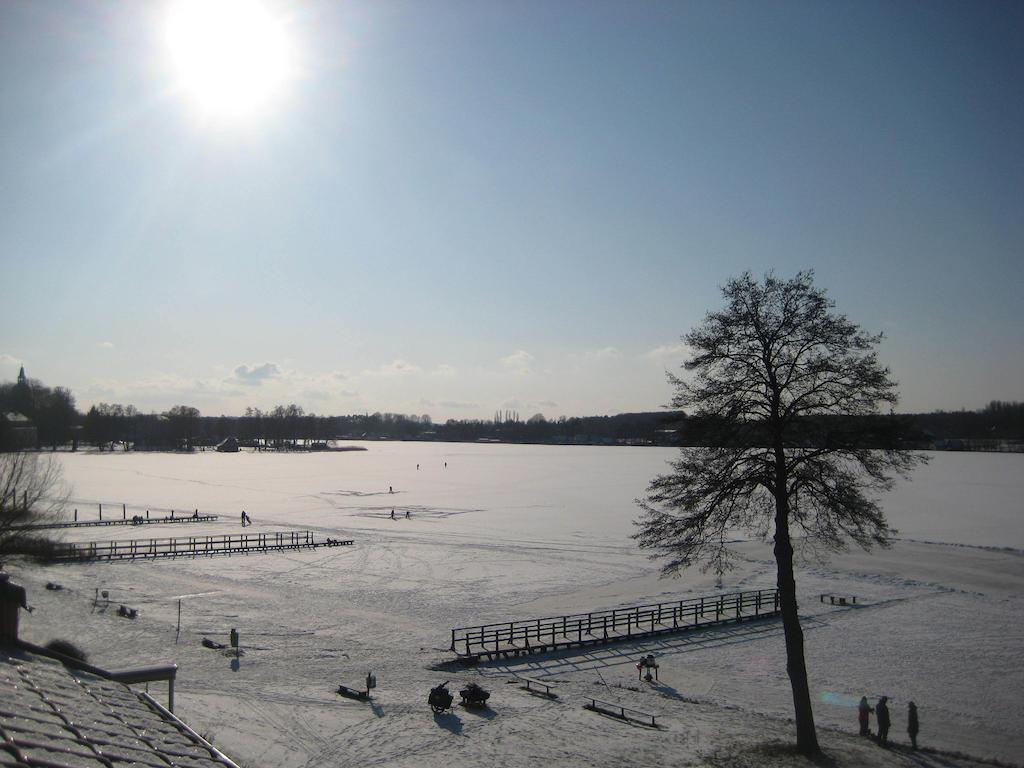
17 432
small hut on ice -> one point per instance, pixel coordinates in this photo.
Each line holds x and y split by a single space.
228 445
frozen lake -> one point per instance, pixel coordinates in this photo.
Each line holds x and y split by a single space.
510 532
565 494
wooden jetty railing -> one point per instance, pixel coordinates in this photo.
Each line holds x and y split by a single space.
552 633
136 520
192 546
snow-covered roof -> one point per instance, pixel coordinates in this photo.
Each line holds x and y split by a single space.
53 716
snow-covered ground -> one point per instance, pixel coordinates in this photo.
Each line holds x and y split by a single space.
510 532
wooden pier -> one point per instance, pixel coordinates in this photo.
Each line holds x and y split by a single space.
513 638
192 546
136 520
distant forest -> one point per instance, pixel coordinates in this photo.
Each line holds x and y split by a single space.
33 415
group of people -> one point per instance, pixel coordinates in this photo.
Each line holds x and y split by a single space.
647 663
393 514
881 710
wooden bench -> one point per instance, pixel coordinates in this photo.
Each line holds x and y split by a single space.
529 682
835 599
353 693
618 710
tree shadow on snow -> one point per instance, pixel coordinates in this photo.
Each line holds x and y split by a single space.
772 753
670 693
450 722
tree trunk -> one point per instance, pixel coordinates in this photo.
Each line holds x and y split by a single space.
806 737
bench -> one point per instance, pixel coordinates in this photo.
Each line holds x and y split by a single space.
834 599
353 693
529 682
617 710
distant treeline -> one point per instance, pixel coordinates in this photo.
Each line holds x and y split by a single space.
33 415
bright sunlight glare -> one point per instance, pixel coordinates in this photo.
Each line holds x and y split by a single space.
232 58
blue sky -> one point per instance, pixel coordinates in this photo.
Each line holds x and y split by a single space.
456 207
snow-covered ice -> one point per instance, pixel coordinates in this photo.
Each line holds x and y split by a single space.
510 532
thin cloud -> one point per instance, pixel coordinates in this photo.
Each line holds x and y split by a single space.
161 390
396 367
604 354
520 362
669 353
105 344
256 375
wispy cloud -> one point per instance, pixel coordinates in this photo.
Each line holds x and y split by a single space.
604 354
161 390
669 353
105 344
458 404
396 367
443 369
520 362
256 375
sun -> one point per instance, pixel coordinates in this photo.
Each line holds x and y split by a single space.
231 58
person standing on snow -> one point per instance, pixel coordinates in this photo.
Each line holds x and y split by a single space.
912 724
863 711
882 713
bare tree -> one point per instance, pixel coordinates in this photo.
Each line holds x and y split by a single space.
31 490
788 392
184 420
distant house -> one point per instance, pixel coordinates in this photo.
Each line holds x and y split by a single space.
17 432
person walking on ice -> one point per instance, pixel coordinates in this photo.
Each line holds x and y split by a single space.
392 514
912 724
864 710
882 713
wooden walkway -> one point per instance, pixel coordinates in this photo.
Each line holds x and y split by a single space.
138 520
513 638
193 546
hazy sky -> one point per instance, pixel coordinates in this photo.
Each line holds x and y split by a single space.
450 208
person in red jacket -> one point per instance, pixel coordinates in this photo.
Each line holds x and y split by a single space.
864 710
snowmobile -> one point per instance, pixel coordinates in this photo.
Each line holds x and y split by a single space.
440 698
